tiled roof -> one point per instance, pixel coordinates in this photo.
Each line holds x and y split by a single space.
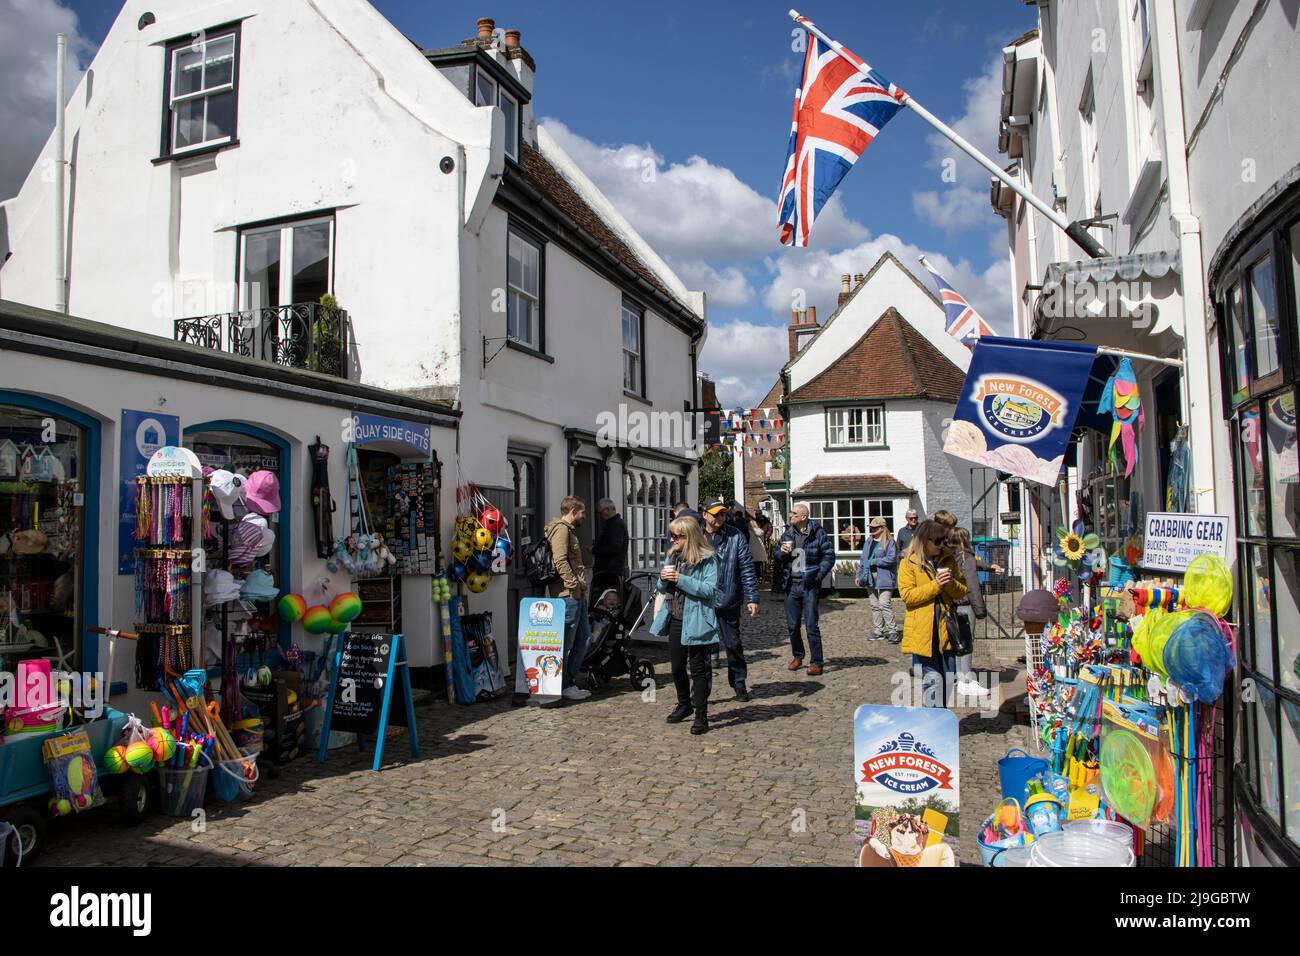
892 360
853 485
542 176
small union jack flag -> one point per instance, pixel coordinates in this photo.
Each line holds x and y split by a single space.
964 323
838 110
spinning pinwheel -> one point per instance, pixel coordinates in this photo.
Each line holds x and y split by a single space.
1121 398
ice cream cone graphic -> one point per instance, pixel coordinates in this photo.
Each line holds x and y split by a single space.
907 839
905 859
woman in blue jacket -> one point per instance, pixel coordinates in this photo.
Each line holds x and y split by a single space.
878 573
688 582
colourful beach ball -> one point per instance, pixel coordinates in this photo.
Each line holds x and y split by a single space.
115 759
345 607
139 756
292 607
316 619
163 744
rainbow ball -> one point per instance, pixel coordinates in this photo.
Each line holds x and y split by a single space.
60 808
115 759
337 626
345 607
482 538
162 743
139 756
81 775
316 619
478 582
292 607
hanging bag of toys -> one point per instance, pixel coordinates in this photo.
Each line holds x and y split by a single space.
362 552
482 538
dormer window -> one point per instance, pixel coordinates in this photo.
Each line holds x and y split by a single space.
486 83
510 106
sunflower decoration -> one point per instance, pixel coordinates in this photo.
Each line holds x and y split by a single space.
1073 546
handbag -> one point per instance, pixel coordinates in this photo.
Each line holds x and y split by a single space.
961 638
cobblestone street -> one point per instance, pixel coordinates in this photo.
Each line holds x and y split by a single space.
603 782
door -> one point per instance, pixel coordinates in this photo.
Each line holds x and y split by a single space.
525 527
282 265
589 485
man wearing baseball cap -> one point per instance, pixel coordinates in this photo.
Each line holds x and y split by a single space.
737 584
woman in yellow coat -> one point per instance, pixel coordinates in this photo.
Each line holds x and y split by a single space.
930 583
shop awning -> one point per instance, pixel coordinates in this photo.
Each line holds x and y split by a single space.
1114 300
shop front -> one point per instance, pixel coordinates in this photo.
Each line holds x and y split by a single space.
1255 284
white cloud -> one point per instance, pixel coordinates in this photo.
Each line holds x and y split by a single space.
693 210
956 205
816 275
728 288
743 359
27 31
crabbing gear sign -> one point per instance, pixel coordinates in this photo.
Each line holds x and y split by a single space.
1017 408
906 765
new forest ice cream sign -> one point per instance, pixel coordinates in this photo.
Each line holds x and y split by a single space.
1018 406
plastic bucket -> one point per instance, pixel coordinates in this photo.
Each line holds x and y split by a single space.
1016 856
1115 830
249 741
1015 772
233 780
1080 848
182 789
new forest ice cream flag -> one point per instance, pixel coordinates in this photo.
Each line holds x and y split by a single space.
1018 406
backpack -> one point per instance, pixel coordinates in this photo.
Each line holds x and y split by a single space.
539 565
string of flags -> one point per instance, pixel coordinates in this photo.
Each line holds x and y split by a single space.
755 430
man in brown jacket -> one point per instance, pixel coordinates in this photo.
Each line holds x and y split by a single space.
571 586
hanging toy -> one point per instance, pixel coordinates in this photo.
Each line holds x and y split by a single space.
346 607
503 547
316 619
490 518
461 549
483 538
1120 397
292 607
478 581
458 572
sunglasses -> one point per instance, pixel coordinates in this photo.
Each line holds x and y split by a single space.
677 537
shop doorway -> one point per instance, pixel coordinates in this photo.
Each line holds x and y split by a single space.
49 471
589 485
527 469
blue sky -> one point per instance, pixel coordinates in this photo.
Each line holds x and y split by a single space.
702 93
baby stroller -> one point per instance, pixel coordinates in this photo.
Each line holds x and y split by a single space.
616 611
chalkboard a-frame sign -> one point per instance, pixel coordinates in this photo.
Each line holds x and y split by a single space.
369 671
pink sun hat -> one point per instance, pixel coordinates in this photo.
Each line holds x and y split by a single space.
262 493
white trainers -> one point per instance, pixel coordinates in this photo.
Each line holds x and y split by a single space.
970 688
575 693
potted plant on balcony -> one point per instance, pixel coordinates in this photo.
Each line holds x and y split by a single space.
327 337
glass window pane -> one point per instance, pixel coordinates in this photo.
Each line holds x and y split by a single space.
1287 582
1252 471
1291 767
485 90
1265 708
188 124
511 110
1241 347
219 62
262 269
220 116
1264 317
1261 589
187 71
514 261
1283 466
311 262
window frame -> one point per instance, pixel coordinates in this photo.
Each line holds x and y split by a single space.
876 408
512 127
630 306
286 229
170 51
827 513
515 231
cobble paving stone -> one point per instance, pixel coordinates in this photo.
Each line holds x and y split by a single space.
605 782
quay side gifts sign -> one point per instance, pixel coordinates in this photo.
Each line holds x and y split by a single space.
1172 540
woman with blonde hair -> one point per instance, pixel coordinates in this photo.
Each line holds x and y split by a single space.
688 580
930 582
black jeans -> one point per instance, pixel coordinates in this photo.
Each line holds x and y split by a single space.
801 610
691 674
729 631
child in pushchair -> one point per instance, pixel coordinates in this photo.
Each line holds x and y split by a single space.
616 610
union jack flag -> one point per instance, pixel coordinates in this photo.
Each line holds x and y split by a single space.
964 323
838 110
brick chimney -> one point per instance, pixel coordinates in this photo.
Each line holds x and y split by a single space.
803 326
486 27
845 291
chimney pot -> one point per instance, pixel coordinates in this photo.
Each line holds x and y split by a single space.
512 38
794 316
844 282
857 279
486 27
812 315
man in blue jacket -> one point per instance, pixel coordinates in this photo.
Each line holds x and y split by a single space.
877 572
807 557
737 584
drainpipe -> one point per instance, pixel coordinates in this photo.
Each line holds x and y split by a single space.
60 258
1198 375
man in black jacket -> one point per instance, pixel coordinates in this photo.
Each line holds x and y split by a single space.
737 585
610 550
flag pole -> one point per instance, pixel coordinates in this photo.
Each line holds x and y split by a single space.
1082 238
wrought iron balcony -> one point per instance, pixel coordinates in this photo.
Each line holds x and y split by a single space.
304 335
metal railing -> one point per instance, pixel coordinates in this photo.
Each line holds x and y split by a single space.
304 335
